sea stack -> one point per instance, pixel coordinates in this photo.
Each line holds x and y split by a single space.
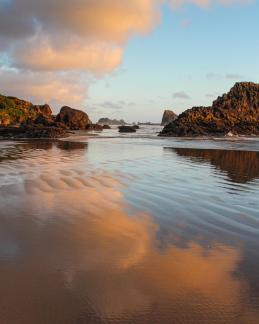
168 117
236 112
73 118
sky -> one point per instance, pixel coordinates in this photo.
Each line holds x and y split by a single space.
127 59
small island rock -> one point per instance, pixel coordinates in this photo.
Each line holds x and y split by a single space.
168 117
73 118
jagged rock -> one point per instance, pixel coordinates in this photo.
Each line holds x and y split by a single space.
14 111
168 117
236 112
44 110
108 121
73 118
127 129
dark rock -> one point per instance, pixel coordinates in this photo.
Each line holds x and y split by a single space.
136 126
127 129
44 120
32 132
106 127
94 127
73 118
236 112
168 117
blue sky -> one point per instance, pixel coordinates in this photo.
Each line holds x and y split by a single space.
200 52
85 54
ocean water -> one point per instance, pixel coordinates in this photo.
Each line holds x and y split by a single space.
119 228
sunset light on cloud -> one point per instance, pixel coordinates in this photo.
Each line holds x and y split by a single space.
66 49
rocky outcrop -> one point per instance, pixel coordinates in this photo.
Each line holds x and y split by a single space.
73 118
127 129
168 117
236 112
14 111
108 121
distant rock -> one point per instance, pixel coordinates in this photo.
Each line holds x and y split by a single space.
106 126
73 118
168 117
127 129
108 121
94 127
236 112
136 126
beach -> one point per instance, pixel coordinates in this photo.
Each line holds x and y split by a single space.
129 228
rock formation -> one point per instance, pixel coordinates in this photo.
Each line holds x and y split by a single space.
236 112
108 121
168 117
127 129
22 119
73 118
14 111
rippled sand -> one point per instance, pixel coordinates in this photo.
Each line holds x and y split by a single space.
129 230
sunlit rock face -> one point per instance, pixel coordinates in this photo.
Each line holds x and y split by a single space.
236 112
168 117
73 118
14 111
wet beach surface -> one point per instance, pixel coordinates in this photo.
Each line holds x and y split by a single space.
129 229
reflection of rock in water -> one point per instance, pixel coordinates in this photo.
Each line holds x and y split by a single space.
36 145
67 145
24 150
241 166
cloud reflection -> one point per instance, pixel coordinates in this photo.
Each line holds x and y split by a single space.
80 255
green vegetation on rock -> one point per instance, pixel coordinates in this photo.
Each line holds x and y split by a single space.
14 111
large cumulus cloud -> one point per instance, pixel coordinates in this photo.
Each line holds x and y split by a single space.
78 34
51 45
64 39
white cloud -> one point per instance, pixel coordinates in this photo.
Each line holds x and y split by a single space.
51 44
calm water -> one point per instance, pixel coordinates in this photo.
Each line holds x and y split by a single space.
129 229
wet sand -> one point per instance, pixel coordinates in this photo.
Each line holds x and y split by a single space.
119 229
